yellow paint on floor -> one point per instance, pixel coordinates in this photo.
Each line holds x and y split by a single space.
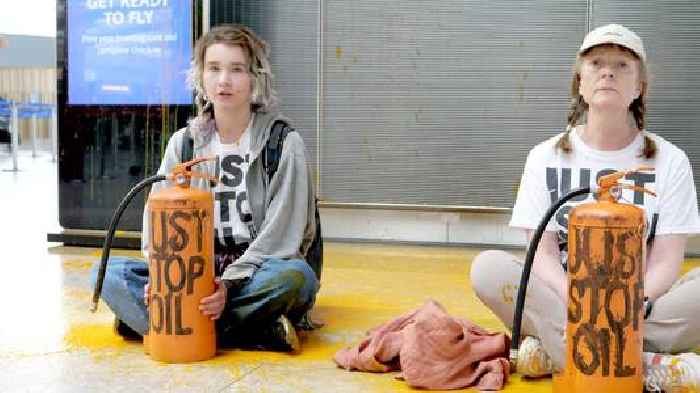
363 285
78 264
94 337
690 263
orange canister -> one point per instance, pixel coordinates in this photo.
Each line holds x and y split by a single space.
605 299
181 273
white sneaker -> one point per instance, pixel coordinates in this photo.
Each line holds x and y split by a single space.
672 373
533 360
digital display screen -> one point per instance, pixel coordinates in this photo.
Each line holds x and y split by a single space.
129 52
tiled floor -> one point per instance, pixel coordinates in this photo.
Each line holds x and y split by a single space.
50 342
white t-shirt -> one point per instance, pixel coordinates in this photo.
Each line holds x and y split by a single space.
232 214
550 174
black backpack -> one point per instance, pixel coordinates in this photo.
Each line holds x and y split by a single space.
270 157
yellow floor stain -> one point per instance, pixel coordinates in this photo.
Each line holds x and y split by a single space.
78 264
690 264
363 286
94 337
78 294
515 384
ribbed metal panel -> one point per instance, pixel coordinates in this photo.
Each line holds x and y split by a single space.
439 102
671 34
291 29
223 11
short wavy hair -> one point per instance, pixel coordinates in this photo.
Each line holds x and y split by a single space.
256 50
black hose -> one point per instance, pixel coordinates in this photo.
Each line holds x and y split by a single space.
525 278
110 234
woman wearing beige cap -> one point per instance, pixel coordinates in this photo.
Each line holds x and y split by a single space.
605 133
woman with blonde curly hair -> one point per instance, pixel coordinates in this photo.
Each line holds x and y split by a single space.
605 133
263 226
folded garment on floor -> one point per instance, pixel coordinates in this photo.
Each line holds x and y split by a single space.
433 350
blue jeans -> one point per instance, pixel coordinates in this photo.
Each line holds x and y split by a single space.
279 287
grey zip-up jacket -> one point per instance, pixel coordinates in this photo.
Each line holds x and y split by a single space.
284 222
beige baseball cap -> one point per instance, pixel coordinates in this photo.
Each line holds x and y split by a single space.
614 34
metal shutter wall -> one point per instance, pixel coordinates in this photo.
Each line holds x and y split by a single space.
291 29
439 102
671 34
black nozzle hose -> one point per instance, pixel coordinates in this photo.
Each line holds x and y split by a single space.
110 234
525 278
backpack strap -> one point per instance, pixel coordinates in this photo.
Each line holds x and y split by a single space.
187 150
273 148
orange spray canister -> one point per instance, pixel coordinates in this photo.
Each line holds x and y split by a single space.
606 294
181 270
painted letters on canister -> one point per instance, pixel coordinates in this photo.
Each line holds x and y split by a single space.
181 273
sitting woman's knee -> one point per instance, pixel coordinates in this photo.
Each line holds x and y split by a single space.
294 278
483 268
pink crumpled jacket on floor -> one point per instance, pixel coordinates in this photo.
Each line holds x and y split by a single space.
433 350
